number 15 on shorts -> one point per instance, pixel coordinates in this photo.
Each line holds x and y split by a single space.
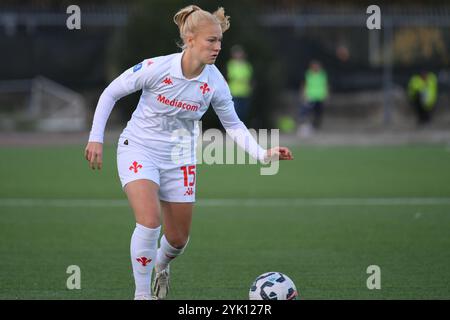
189 178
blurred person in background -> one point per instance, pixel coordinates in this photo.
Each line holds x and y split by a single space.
422 94
239 75
313 93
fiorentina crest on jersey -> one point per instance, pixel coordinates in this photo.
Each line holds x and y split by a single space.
204 88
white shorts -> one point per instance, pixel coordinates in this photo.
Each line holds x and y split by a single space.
135 162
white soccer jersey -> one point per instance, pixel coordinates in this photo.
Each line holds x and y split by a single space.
170 102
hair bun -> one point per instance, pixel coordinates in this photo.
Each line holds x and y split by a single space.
182 15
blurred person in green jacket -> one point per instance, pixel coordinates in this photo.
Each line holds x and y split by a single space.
313 93
239 76
422 93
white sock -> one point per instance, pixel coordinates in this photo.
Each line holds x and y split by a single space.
167 253
144 243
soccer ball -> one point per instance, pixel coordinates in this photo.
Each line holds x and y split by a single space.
273 286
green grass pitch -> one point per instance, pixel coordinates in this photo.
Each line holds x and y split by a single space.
322 220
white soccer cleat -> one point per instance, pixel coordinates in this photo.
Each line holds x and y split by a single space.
161 284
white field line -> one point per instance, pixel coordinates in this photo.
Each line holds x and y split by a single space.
246 202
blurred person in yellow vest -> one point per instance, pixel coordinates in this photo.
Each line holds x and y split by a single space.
422 93
239 74
313 93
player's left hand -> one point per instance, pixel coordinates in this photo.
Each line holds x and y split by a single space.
279 153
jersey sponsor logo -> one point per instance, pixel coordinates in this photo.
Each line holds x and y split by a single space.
177 103
204 88
168 81
137 67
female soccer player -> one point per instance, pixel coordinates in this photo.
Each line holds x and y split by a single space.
176 91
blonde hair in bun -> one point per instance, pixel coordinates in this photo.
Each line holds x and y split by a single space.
190 18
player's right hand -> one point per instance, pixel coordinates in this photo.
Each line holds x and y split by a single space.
279 153
94 155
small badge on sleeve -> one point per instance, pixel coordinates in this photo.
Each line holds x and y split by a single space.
137 67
